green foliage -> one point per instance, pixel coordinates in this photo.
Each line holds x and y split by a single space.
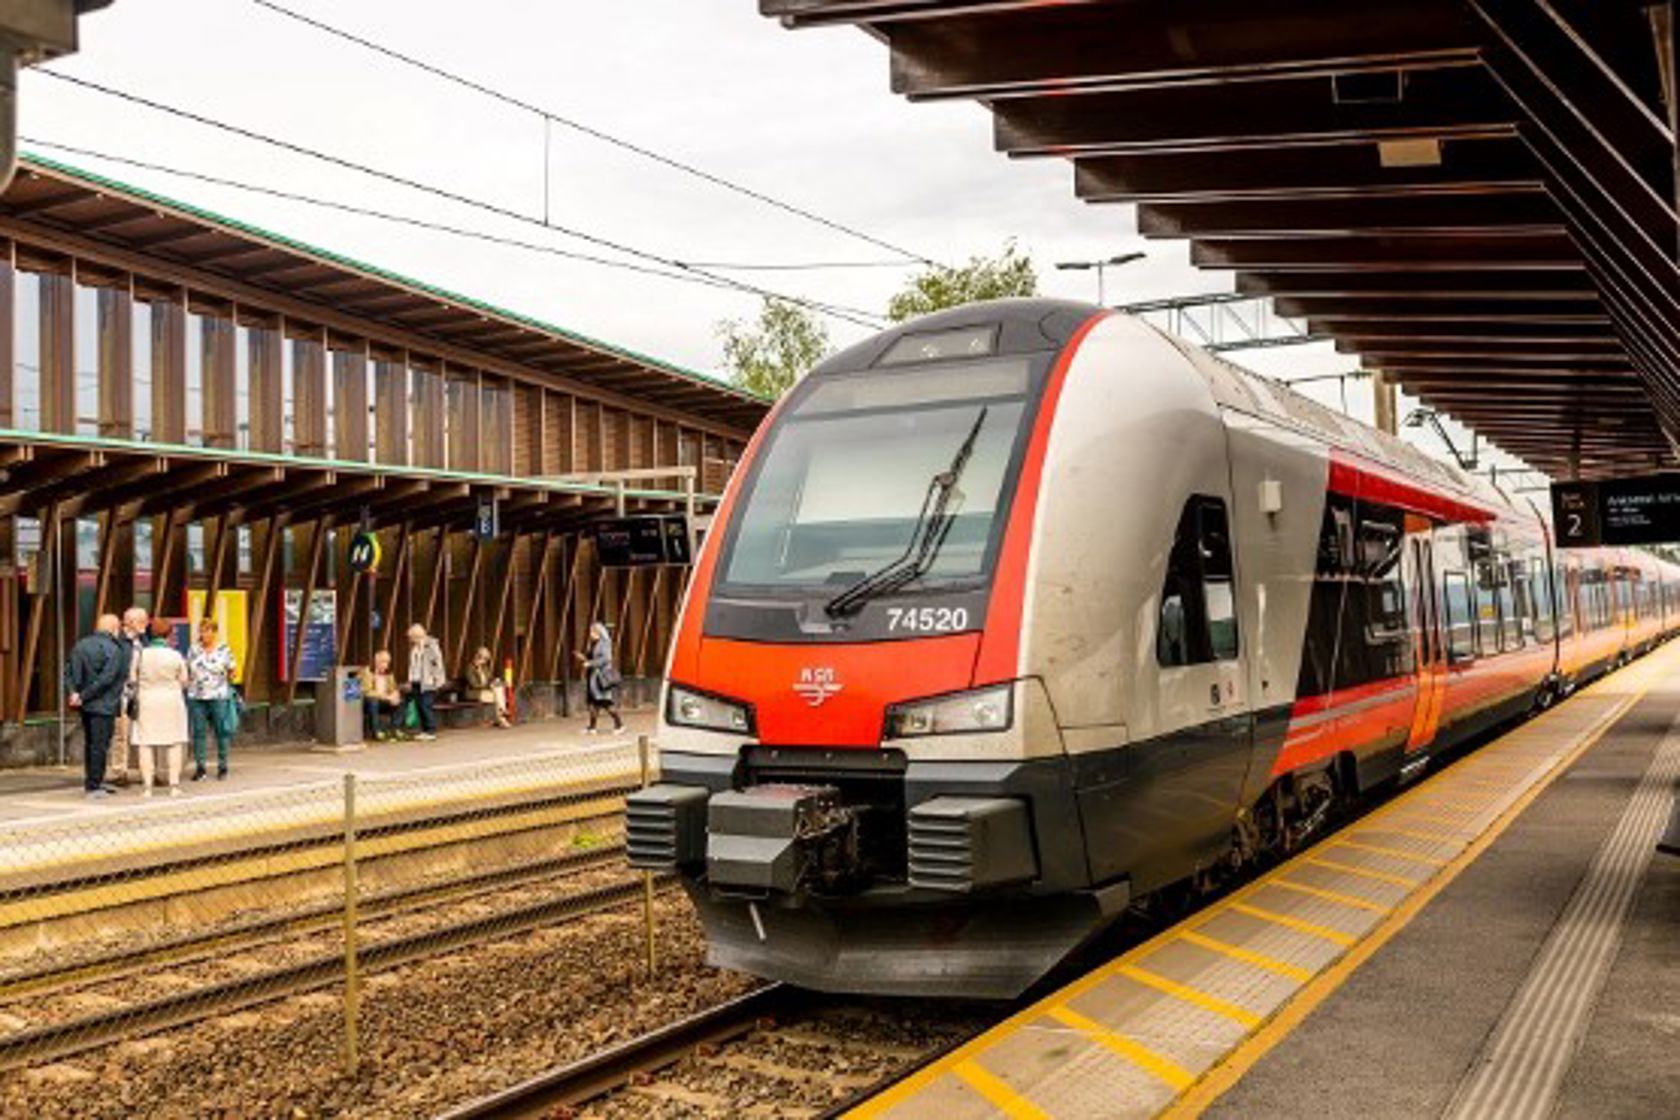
1008 274
768 356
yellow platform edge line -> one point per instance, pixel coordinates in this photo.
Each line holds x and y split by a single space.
998 1093
1247 956
1406 881
1165 1069
1468 849
1191 995
1229 1070
1339 898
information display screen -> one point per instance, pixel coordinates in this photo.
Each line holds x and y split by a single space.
1643 510
635 542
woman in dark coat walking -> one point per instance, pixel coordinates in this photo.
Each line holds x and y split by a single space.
601 678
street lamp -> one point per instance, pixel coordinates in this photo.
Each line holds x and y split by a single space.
1083 266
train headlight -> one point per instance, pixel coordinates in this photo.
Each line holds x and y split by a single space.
687 708
984 709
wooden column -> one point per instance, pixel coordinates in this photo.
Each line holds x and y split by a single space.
310 437
390 412
58 334
557 670
350 405
116 363
266 362
169 372
220 389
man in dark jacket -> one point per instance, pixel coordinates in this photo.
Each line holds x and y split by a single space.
95 678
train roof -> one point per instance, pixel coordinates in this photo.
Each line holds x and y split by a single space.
1244 390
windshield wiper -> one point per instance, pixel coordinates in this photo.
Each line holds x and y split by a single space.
927 535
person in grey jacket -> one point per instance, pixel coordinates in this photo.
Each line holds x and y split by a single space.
601 678
95 679
425 677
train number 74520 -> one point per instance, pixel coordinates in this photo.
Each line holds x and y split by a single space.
927 620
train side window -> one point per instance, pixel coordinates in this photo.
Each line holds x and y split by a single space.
1455 594
1198 621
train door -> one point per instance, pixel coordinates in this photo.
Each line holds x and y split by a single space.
1431 660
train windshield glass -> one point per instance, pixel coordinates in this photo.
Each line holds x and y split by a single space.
844 479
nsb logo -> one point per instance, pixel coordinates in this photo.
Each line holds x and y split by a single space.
817 685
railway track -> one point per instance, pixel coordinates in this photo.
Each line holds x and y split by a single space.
132 1018
777 1051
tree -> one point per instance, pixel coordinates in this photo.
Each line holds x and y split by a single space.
1008 274
767 357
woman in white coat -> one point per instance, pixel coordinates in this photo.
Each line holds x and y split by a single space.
160 675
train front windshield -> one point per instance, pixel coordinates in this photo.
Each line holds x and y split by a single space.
843 483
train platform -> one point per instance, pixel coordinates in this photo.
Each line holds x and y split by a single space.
51 835
1497 941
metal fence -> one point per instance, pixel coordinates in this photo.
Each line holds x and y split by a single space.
119 925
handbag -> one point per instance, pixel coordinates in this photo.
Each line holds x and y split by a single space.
131 707
233 713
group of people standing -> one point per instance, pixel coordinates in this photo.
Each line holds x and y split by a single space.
132 689
384 697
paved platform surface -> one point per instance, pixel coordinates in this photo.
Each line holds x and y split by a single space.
1495 942
42 792
51 833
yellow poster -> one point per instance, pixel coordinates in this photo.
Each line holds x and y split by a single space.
232 616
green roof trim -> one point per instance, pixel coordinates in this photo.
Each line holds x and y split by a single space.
33 161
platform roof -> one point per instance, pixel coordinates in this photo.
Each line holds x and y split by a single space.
123 217
1475 196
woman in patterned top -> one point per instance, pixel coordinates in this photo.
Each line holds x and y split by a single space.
210 697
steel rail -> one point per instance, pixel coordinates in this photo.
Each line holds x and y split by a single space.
601 1073
90 1032
247 935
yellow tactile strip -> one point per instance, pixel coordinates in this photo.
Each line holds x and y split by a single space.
1169 1025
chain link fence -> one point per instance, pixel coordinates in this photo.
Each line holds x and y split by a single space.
121 924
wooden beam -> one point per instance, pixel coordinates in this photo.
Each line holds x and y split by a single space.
536 606
557 671
440 564
509 578
259 606
404 542
474 571
50 530
172 523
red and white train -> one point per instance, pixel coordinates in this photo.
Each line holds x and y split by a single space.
1021 612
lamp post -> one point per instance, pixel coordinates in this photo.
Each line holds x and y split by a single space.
1100 266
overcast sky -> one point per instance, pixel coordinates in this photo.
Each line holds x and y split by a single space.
806 116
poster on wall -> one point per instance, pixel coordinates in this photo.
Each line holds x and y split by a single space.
320 634
232 616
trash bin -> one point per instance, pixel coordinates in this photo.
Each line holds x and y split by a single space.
338 707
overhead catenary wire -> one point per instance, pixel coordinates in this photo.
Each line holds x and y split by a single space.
549 116
370 212
856 316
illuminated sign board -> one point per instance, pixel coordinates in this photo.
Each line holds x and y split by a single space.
1643 510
